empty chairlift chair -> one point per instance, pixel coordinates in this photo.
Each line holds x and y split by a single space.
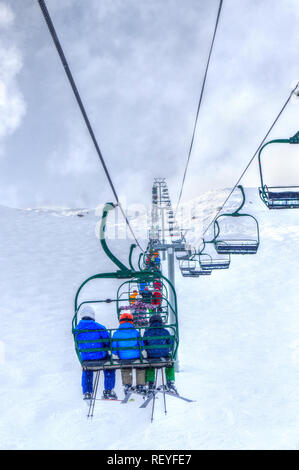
183 254
245 241
187 268
279 197
211 260
199 271
192 268
187 265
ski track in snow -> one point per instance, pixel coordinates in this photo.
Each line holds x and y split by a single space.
239 341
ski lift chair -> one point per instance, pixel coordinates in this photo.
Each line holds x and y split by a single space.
279 197
209 262
107 345
240 245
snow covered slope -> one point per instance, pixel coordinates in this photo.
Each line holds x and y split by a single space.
239 333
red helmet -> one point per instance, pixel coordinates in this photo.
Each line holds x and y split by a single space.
126 317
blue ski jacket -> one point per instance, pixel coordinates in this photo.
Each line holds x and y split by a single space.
91 325
149 339
130 338
142 286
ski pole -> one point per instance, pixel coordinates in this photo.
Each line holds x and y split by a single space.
96 391
164 394
94 395
154 397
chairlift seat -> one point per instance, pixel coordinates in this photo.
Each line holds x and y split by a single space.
126 363
215 264
284 195
204 272
235 247
182 257
280 199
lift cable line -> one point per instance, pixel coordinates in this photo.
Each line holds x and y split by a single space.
199 104
254 155
58 46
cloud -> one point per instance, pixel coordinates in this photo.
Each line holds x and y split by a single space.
9 195
12 105
139 66
6 16
78 157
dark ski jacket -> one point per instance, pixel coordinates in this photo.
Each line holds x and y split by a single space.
146 296
149 339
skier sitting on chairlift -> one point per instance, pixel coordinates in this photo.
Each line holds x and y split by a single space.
133 297
150 339
146 295
126 336
156 301
157 284
142 286
88 323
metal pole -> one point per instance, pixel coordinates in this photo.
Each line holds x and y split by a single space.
171 277
162 219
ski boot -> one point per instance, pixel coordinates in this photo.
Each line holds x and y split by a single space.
150 388
128 389
141 389
87 396
170 387
109 395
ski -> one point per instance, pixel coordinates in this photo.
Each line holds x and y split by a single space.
176 396
149 399
127 397
108 399
143 395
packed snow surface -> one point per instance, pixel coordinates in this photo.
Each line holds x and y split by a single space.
239 340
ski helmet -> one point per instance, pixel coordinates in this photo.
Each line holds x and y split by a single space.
87 311
126 317
156 319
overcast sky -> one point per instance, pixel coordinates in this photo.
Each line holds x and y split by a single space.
139 65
